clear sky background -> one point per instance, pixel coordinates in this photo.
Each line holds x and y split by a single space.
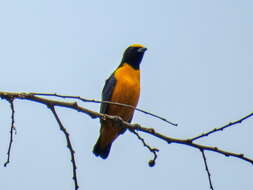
197 72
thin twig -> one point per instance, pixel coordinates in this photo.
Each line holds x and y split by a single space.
11 131
69 145
222 128
207 169
105 102
151 163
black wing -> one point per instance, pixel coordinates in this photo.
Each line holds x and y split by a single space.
107 92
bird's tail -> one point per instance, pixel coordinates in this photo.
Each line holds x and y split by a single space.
102 150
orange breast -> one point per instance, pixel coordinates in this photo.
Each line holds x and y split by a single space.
126 91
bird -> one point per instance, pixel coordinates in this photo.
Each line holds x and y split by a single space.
123 86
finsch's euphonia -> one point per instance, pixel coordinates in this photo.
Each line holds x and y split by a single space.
123 86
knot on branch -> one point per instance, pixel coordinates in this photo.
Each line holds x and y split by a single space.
75 105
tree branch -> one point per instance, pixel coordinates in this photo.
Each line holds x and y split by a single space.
137 127
167 139
132 127
48 102
69 145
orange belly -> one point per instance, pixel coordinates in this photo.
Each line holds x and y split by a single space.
126 91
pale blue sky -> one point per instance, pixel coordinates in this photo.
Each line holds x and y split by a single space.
197 72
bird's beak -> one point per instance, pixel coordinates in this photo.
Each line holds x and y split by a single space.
142 49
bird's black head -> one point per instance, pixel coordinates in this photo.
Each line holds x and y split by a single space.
133 55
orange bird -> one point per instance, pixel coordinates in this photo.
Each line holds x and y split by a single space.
123 86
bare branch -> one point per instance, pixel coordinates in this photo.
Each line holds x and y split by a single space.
69 145
222 128
10 100
207 169
132 127
106 102
137 127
